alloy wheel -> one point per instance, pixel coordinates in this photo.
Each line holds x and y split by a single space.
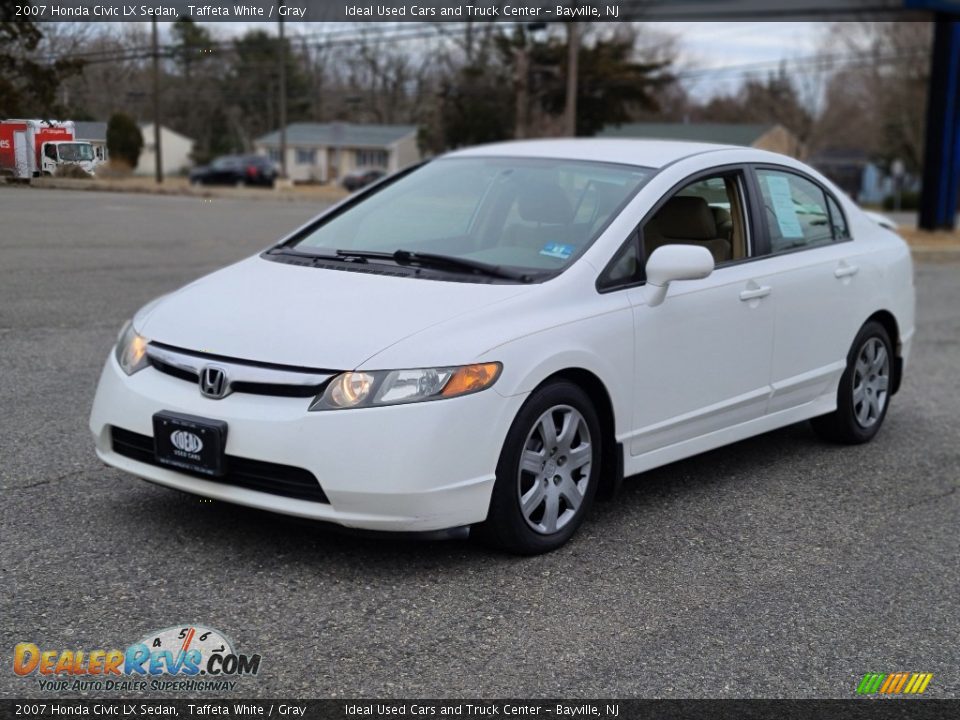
554 469
871 378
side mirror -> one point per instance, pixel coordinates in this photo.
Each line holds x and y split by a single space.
675 262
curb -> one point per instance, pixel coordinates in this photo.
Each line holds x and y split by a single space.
174 190
936 253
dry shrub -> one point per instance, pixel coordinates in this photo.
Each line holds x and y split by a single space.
72 171
114 168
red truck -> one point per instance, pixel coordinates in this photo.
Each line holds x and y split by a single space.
31 148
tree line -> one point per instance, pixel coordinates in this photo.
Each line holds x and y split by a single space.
461 84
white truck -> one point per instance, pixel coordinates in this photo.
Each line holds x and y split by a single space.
31 148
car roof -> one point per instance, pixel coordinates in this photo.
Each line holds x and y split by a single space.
643 153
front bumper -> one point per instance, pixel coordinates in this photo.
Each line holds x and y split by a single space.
412 468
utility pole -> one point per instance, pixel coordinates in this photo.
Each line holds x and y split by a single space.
523 90
157 154
282 55
573 53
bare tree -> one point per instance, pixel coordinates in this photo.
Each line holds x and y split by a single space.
878 99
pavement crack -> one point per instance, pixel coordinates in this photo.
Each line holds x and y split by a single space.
931 498
48 481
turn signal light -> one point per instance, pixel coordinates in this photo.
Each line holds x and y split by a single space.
471 378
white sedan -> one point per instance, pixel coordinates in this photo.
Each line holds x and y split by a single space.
492 338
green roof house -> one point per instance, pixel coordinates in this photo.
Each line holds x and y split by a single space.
775 138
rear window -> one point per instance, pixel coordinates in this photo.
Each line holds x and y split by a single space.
796 211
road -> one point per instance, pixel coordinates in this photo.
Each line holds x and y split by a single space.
777 567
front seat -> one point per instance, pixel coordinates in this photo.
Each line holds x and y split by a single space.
546 214
686 220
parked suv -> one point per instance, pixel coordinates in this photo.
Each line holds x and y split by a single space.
237 170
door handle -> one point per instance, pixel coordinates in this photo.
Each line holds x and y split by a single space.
846 270
755 293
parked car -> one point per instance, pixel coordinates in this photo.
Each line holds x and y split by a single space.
361 178
492 339
237 170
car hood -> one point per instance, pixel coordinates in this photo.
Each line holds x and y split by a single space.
274 312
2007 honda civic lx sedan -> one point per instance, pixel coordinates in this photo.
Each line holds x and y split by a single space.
492 338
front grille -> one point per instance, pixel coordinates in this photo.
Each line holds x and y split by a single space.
267 477
253 388
174 370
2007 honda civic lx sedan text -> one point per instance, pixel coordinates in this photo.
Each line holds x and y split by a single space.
494 337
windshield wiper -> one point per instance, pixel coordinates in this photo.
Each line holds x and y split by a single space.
344 255
407 257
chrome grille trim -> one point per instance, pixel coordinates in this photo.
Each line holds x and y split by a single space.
239 374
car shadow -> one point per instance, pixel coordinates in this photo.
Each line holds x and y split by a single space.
231 529
220 526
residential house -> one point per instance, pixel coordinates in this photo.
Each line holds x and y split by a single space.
323 152
175 151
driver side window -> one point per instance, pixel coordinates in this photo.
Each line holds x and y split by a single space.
708 212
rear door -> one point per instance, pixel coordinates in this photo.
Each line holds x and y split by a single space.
816 271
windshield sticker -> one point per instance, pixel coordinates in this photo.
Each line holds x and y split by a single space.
783 207
557 250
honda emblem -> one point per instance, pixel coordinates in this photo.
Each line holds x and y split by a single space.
213 382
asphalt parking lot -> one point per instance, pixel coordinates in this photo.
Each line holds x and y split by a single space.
777 567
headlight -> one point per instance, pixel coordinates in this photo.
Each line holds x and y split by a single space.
397 387
131 350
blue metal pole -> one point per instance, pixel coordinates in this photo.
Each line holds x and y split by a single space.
941 167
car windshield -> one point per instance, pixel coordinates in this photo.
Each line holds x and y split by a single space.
75 152
524 213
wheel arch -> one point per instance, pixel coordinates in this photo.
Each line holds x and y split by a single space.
889 323
611 452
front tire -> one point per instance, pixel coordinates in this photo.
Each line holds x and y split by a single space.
547 474
864 393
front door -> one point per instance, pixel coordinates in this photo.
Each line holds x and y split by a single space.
703 355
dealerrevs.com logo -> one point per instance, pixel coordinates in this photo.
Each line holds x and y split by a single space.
180 658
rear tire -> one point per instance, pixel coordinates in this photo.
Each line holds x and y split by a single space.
864 392
547 474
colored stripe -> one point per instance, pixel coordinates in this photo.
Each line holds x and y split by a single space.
865 683
877 680
903 679
912 684
926 681
892 686
886 685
